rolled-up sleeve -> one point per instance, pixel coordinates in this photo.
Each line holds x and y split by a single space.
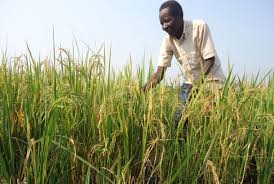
206 43
166 53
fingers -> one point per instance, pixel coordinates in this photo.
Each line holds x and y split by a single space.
144 88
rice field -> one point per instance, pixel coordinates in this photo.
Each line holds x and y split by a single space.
73 118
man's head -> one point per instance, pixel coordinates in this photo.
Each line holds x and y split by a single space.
171 18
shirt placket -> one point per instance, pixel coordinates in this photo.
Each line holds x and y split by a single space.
185 60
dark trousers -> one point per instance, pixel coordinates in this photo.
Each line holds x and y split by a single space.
184 96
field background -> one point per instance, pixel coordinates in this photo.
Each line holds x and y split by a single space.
75 119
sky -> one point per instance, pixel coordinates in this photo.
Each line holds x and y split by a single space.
242 31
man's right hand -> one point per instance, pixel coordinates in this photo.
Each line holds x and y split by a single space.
144 88
147 86
155 78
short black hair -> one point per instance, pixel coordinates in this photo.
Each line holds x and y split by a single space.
176 9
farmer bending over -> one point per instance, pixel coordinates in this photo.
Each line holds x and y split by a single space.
191 44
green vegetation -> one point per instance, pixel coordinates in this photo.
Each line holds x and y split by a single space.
72 119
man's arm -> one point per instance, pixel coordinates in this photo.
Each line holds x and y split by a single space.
211 61
165 58
155 78
206 46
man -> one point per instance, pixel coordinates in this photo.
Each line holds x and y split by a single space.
190 42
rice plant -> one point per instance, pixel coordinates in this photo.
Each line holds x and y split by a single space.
74 119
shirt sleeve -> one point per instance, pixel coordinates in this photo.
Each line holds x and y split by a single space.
166 53
205 42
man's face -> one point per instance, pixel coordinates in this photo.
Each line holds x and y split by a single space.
170 24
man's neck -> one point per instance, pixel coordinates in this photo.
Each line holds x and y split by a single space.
181 28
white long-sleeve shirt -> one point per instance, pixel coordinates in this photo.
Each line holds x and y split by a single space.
191 51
